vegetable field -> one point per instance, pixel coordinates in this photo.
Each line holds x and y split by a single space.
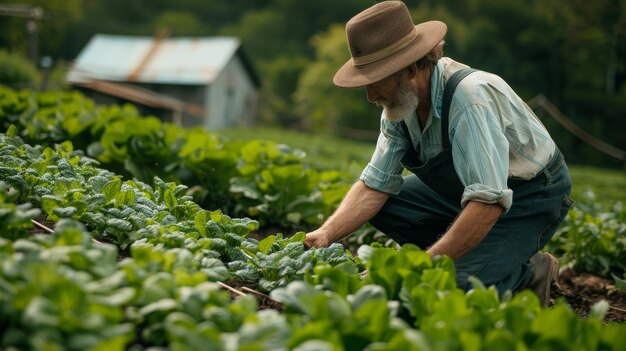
120 232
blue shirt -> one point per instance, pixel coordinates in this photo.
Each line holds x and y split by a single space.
493 133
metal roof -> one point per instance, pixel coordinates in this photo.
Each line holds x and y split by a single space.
152 60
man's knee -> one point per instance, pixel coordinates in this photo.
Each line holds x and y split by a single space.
422 232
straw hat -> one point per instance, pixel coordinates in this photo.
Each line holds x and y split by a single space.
382 41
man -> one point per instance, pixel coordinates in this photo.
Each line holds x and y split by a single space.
489 187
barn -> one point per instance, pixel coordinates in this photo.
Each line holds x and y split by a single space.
199 81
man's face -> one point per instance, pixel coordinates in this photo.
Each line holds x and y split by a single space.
398 99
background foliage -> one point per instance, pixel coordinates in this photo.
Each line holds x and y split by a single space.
16 71
571 51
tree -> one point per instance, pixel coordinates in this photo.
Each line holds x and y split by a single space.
16 71
181 23
51 30
323 106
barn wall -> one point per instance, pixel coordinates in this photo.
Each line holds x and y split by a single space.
193 94
232 97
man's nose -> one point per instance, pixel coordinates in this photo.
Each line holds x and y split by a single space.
372 93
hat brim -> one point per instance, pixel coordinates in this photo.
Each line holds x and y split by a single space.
429 34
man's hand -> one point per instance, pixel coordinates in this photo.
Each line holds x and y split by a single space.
317 238
359 206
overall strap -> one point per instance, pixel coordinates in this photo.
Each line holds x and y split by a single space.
448 91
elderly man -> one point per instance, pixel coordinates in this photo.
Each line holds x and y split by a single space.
488 187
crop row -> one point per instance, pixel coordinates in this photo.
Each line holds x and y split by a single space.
155 285
260 179
64 291
66 184
593 240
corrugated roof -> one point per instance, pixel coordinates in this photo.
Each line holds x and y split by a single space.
150 60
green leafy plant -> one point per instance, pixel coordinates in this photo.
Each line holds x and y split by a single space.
593 241
261 179
17 71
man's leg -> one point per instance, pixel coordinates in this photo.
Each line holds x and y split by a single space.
416 215
503 257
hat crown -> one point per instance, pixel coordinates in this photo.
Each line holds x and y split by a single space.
378 28
383 40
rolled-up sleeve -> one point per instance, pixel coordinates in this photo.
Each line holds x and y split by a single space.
489 195
384 171
480 152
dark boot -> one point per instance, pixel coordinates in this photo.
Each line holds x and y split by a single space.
545 270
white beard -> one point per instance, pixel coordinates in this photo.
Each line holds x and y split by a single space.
401 105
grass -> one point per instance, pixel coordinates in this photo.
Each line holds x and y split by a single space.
322 152
603 186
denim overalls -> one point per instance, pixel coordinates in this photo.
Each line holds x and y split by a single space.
429 201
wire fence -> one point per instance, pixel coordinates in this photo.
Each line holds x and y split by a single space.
540 101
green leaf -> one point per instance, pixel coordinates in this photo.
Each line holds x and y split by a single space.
163 305
12 131
371 320
316 336
200 221
367 293
245 187
50 202
408 340
483 299
65 212
243 271
316 345
120 297
294 217
119 224
111 189
298 237
215 269
476 283
125 198
266 244
556 323
365 252
170 199
117 343
599 310
41 312
383 269
318 305
8 171
441 279
620 283
500 339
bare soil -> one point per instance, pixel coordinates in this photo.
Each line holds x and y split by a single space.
582 290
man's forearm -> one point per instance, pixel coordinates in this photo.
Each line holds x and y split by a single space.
468 230
358 206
